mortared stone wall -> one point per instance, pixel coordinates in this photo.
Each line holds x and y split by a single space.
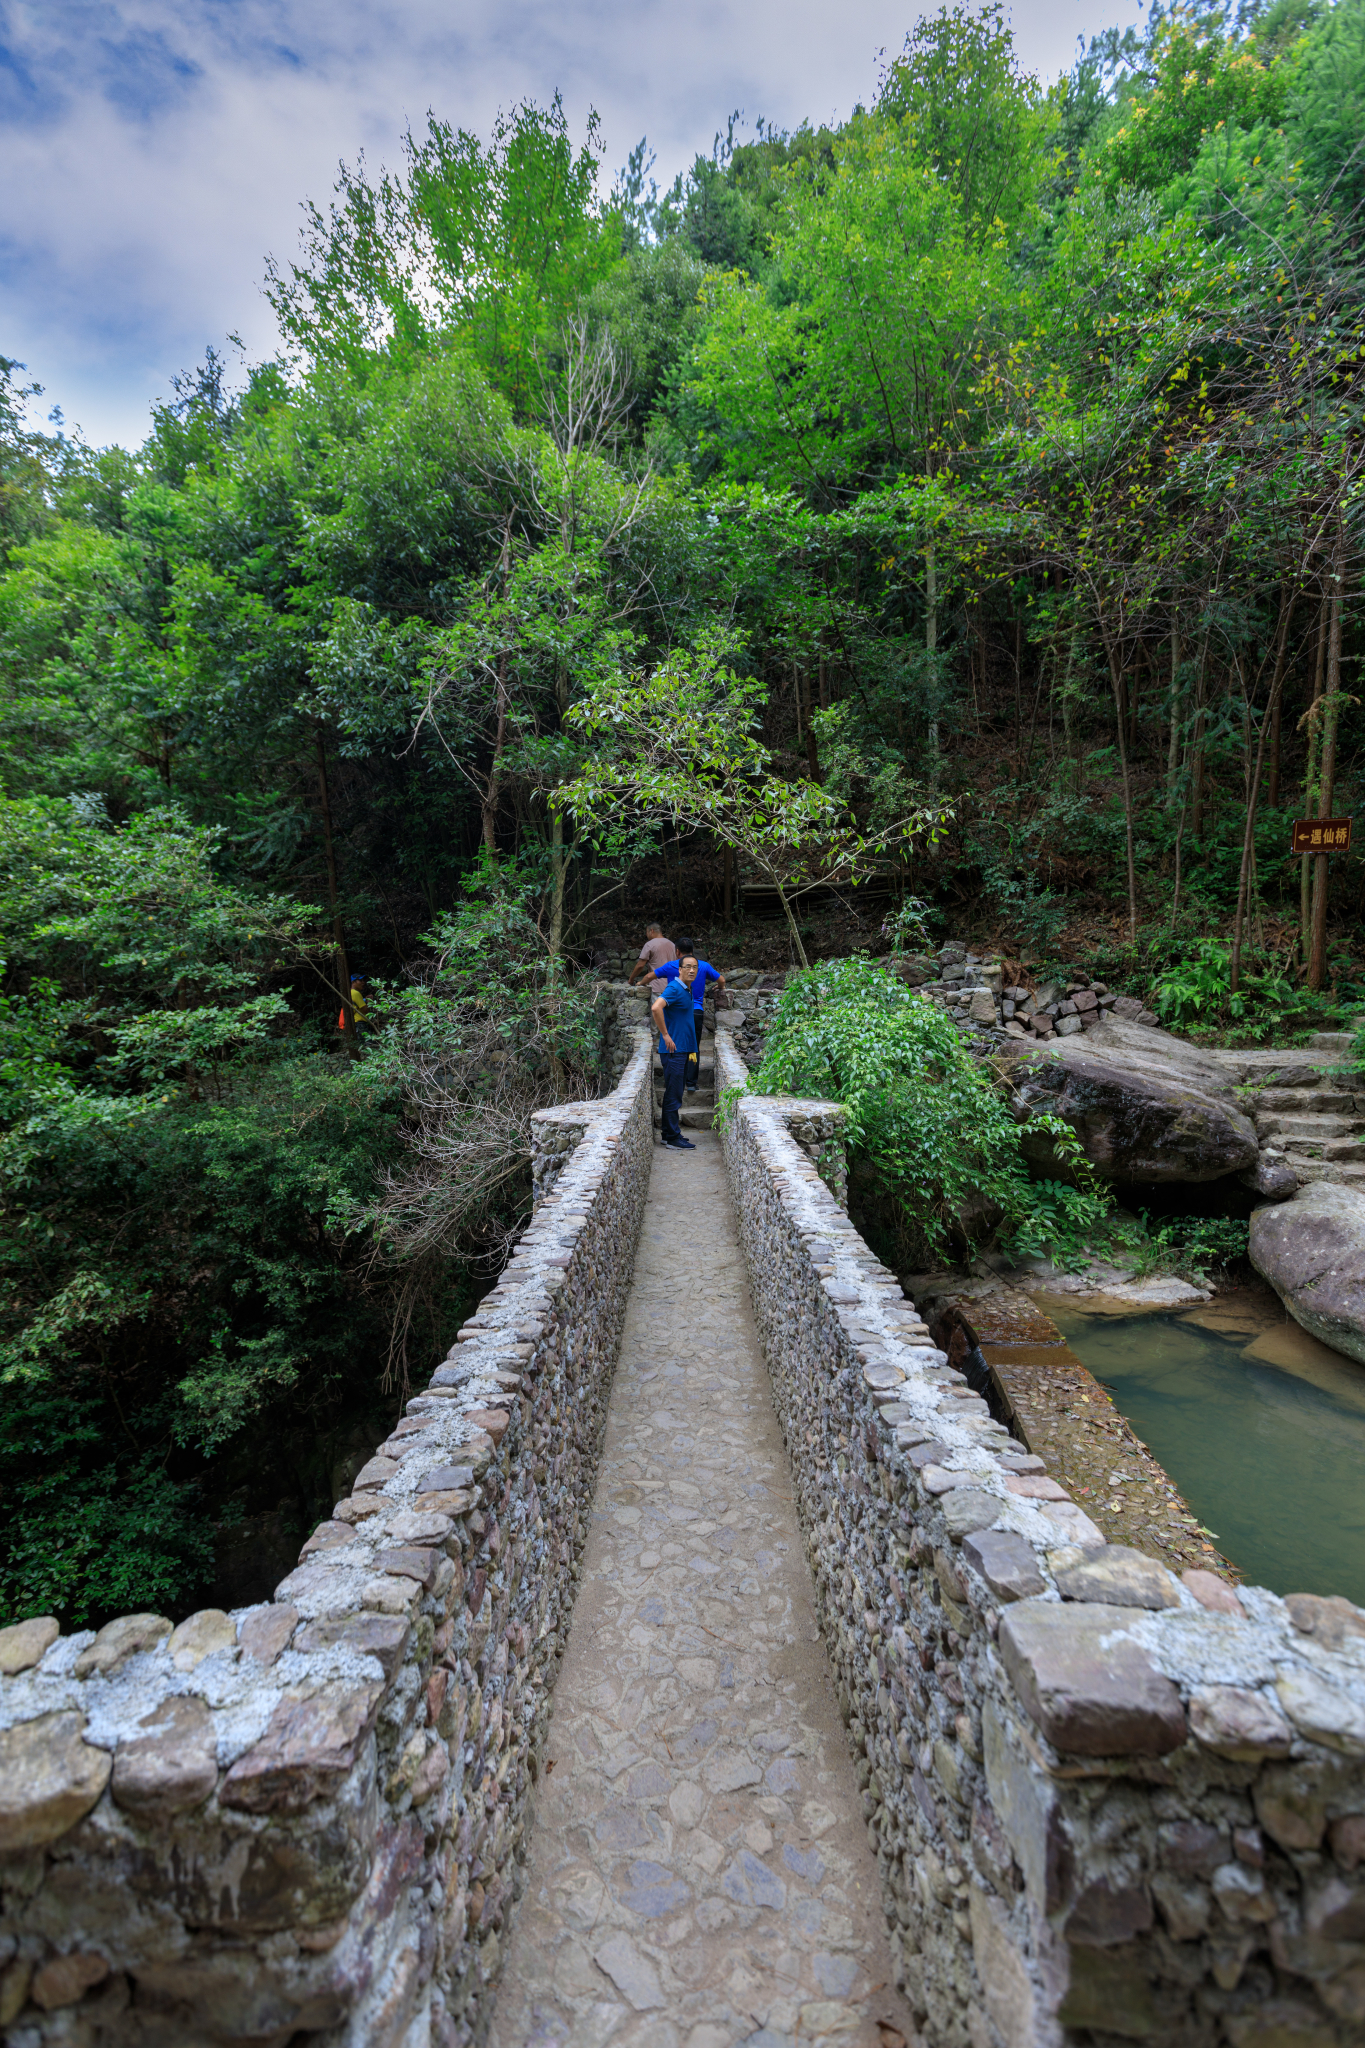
1109 1805
307 1820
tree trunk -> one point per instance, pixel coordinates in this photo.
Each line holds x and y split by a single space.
931 644
558 870
1197 746
1116 681
728 868
343 970
1273 793
494 783
1310 786
791 922
812 751
1331 711
493 786
1254 795
1173 748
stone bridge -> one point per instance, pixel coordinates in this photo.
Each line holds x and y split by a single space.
860 1732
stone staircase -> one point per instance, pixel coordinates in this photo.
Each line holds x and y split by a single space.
1309 1117
698 1108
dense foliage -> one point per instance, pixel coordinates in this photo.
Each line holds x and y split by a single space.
986 468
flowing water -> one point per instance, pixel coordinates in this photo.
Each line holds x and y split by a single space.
1261 1428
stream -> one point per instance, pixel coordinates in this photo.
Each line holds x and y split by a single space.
1261 1427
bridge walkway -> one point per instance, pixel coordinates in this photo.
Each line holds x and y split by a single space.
699 1873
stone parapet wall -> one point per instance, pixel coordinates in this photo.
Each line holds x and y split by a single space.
306 1819
1108 1804
621 1011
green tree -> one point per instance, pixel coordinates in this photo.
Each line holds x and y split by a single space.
494 243
859 356
682 744
1325 117
985 126
1196 78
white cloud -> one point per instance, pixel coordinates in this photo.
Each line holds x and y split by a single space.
153 151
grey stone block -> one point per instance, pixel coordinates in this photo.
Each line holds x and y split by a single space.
1006 1562
965 1510
1120 1577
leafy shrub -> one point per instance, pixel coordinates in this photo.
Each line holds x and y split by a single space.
1192 1246
1194 992
934 1124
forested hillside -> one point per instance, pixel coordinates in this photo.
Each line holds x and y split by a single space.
963 503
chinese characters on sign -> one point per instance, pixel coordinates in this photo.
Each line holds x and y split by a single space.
1321 835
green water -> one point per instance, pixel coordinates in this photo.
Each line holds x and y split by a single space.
1270 1456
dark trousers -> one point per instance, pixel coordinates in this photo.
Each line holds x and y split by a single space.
674 1065
694 1072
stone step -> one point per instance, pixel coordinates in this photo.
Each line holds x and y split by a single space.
1342 1174
694 1117
1317 1129
1314 1100
1330 1041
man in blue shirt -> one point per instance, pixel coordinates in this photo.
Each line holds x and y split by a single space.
672 1014
705 973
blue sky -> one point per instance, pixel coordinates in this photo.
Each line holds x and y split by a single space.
153 151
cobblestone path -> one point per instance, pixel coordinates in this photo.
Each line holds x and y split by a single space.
699 1872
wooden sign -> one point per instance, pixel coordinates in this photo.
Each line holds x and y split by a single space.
1321 835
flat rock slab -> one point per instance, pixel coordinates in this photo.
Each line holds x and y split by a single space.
699 1870
1312 1251
1091 1692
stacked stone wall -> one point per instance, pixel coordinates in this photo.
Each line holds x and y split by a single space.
1108 1804
306 1820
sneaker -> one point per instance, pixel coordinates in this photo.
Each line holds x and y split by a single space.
686 1145
676 1145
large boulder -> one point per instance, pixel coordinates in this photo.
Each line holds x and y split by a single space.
1145 1106
1312 1251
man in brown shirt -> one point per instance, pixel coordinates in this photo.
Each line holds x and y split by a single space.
655 953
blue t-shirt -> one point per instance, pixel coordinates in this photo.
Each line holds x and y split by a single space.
678 1016
705 972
